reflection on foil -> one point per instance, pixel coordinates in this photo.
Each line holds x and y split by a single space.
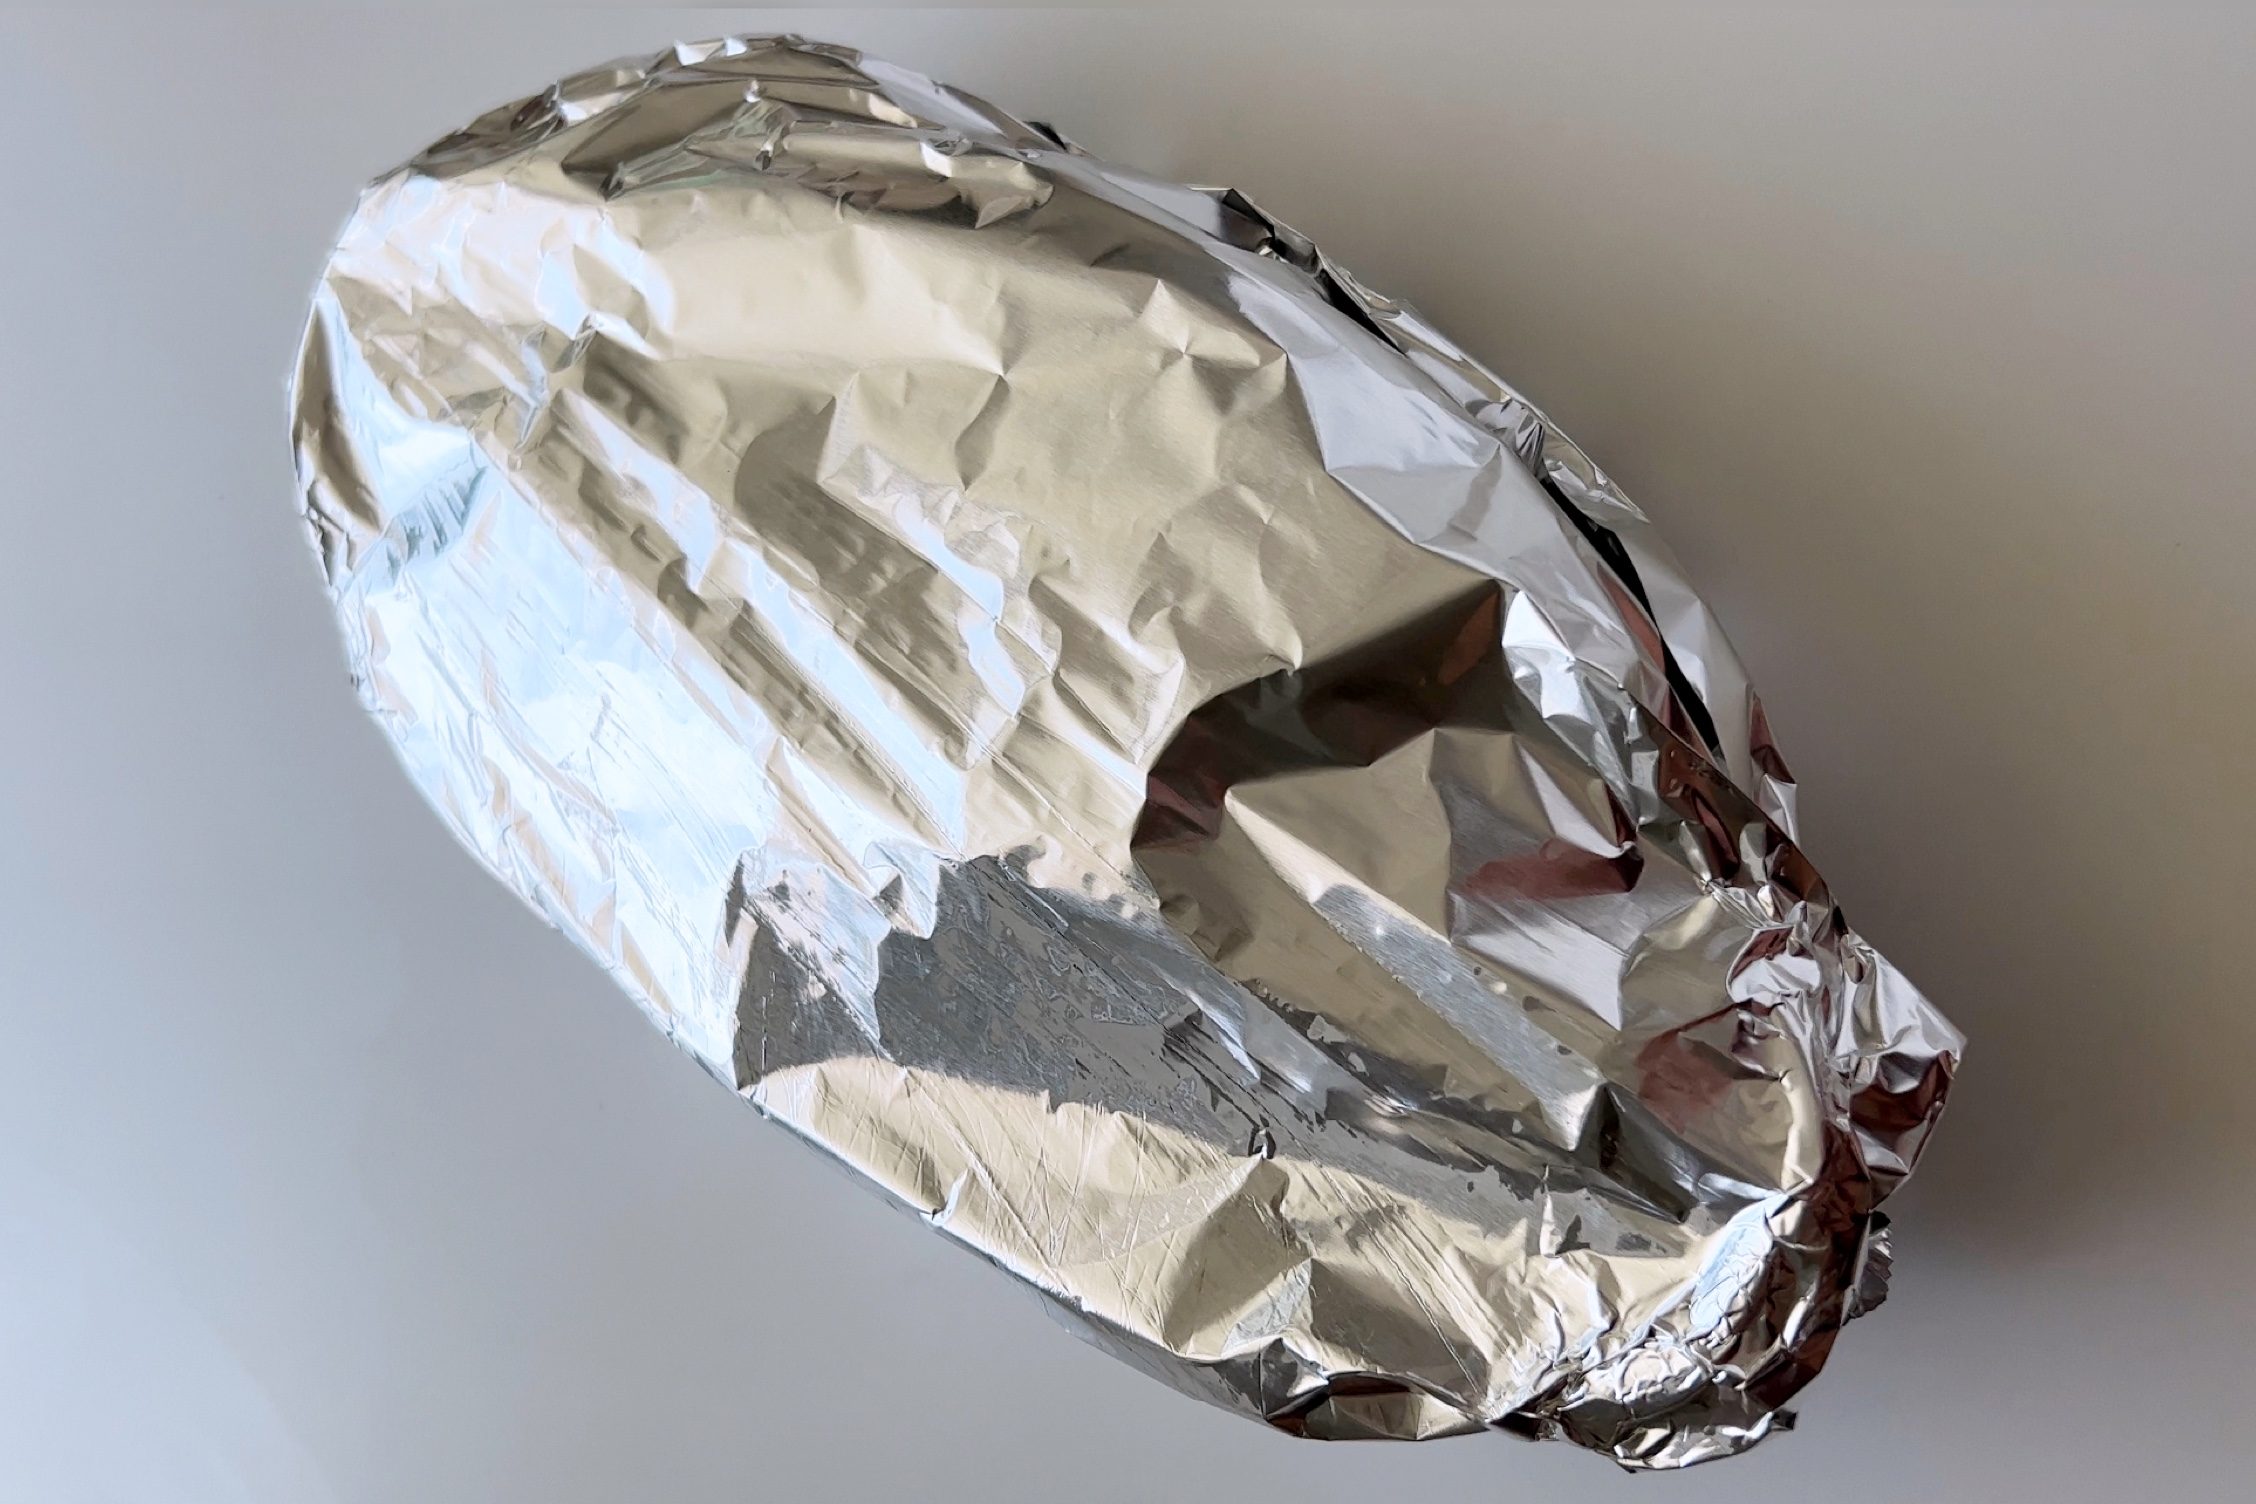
1048 686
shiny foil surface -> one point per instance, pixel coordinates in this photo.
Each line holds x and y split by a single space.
1053 690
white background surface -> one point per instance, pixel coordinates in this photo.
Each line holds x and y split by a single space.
327 1173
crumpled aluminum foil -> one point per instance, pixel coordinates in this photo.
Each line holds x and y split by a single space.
1049 687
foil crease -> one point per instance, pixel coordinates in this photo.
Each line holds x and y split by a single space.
1128 738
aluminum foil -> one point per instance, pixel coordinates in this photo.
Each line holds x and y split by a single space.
1052 689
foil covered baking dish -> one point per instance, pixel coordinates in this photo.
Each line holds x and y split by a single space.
1056 692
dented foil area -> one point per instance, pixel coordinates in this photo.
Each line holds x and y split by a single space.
1048 687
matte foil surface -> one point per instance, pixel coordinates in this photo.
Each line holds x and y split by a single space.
1053 690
